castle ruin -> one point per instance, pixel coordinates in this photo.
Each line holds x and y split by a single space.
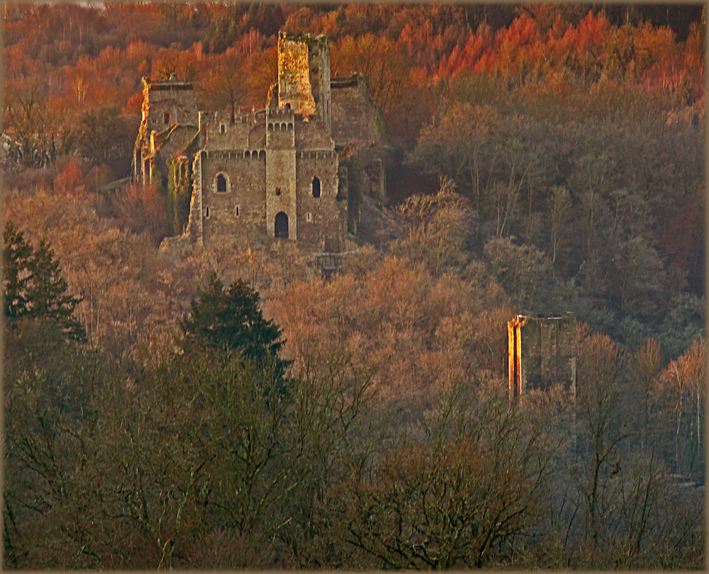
295 170
541 353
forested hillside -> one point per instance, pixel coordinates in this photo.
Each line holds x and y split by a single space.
233 408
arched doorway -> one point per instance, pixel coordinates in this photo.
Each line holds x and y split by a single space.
281 227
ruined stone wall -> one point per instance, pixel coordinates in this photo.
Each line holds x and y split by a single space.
174 98
169 144
241 209
165 106
320 219
221 134
319 68
372 177
312 135
541 353
179 189
195 221
355 118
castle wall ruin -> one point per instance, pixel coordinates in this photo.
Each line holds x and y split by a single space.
541 353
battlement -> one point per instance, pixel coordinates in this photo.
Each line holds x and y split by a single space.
285 112
236 154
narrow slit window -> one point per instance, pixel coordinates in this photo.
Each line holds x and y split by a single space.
316 187
206 213
166 118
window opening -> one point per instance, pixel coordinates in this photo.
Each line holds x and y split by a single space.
316 187
221 183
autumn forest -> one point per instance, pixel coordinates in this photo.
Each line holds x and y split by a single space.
237 408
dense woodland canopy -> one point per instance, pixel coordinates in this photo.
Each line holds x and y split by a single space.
234 409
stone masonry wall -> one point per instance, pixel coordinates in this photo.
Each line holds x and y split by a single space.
246 176
281 172
355 118
319 218
175 98
220 133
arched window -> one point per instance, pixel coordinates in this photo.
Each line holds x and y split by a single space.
222 129
281 225
166 118
221 183
316 187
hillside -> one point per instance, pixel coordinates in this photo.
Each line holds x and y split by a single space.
233 408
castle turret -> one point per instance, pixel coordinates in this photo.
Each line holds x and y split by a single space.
281 200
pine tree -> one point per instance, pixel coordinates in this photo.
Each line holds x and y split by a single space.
17 257
48 295
231 320
34 287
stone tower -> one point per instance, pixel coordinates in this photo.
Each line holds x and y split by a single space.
281 198
304 76
541 353
169 113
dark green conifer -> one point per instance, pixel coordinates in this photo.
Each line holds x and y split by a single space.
230 319
34 287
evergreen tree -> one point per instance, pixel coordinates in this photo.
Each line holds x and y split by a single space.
17 257
230 319
34 287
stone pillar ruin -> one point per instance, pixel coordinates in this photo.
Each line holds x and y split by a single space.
541 353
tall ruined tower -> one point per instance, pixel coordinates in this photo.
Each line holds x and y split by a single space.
304 76
166 106
541 353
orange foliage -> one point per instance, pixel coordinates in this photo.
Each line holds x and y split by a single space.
95 58
70 180
419 333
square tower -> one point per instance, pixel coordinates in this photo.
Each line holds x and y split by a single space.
304 76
